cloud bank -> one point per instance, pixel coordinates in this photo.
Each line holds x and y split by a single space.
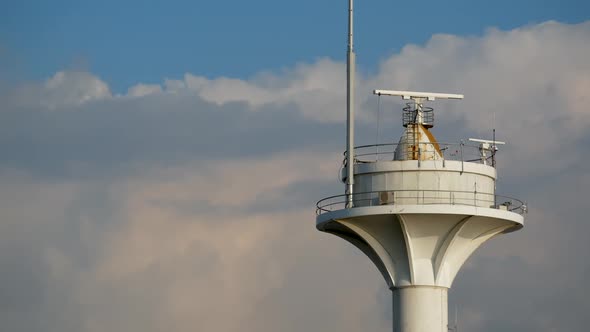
189 204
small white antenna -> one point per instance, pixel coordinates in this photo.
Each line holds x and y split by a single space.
485 146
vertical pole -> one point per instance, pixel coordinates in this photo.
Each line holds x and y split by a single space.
350 69
378 127
461 145
494 148
494 160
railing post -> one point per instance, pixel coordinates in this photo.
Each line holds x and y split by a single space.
461 149
419 154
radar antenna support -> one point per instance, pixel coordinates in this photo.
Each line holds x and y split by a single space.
418 98
350 71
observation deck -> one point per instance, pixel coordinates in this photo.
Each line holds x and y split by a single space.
458 158
420 209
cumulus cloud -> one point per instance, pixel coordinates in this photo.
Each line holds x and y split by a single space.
189 204
63 90
141 90
316 89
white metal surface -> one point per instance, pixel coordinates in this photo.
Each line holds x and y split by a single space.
419 245
416 94
486 141
451 209
416 144
420 309
434 175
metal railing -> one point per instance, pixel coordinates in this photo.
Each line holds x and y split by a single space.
423 197
421 150
410 115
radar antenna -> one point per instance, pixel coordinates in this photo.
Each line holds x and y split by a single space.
486 146
418 114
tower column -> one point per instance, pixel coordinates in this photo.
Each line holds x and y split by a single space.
420 309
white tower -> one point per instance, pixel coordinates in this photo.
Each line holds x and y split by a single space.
418 209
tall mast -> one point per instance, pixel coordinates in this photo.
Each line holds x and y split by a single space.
350 69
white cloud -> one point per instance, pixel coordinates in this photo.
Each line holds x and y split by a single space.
316 89
236 183
72 88
141 90
157 266
224 245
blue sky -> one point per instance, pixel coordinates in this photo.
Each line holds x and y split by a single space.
125 42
